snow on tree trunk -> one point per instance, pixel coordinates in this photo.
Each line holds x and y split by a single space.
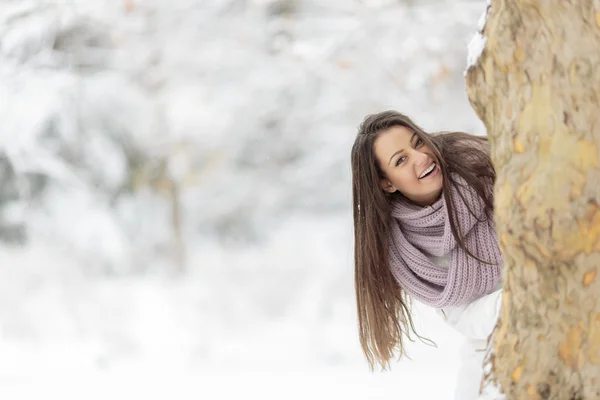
536 86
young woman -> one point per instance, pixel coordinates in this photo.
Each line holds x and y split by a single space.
424 230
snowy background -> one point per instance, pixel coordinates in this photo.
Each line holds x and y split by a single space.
175 214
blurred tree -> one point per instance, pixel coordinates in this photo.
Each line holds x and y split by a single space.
536 86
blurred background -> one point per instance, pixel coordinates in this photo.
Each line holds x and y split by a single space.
175 192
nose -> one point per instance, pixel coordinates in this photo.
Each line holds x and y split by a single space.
420 158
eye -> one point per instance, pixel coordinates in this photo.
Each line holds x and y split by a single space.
400 160
418 143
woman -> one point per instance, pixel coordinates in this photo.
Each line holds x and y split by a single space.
424 230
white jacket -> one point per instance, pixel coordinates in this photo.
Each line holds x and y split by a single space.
475 321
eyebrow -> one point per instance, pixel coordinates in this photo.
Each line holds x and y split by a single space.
401 150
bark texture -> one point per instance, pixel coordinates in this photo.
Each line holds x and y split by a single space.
536 86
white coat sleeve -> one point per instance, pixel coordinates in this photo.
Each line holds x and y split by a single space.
477 319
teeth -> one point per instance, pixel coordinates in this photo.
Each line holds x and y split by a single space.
428 170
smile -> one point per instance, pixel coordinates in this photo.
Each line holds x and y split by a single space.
429 171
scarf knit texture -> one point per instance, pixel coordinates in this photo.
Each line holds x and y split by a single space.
419 232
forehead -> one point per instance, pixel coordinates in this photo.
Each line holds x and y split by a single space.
395 134
392 140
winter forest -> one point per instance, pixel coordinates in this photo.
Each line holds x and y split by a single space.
175 192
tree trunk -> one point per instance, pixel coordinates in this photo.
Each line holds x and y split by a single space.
536 86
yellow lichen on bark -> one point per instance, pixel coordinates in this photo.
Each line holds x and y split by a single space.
519 54
540 338
561 171
504 239
593 352
532 392
587 155
503 196
518 372
537 121
519 146
536 112
570 349
530 271
586 239
589 277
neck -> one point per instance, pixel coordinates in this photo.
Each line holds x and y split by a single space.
427 202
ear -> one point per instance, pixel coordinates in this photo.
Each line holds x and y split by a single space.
387 186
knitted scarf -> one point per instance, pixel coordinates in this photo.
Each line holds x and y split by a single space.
418 232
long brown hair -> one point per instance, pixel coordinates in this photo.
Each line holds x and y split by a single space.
384 309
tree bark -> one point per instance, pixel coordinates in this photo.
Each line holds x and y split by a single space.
536 87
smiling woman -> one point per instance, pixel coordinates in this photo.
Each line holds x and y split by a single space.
412 167
424 230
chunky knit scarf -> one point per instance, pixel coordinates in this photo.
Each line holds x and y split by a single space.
419 232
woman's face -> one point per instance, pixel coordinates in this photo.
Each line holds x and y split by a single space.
409 166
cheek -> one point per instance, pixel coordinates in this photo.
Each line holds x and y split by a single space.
404 180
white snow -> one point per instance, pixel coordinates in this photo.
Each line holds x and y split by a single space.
491 392
483 19
209 335
477 43
239 117
476 46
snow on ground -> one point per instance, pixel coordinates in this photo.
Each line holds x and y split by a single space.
65 335
421 382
